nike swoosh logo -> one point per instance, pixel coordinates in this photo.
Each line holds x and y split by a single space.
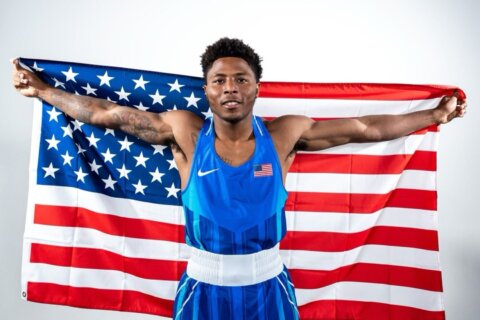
204 173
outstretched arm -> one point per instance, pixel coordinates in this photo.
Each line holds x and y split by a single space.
148 126
303 133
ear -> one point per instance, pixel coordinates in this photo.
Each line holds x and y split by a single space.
258 88
204 87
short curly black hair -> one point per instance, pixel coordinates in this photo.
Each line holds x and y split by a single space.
227 47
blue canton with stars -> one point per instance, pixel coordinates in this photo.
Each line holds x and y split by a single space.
108 161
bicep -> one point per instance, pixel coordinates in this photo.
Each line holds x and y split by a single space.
151 127
320 135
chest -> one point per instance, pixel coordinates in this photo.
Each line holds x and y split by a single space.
235 154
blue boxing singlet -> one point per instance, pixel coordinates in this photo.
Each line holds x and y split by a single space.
234 220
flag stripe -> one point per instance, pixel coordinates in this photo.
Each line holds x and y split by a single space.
336 241
374 292
363 164
360 183
348 309
361 91
353 222
108 223
124 300
361 203
368 272
78 257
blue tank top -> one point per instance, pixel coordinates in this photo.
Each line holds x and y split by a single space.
234 210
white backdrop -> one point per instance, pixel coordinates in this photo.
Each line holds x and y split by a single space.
320 41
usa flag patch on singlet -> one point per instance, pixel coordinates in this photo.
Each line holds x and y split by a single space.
262 170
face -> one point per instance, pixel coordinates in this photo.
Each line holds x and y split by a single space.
231 89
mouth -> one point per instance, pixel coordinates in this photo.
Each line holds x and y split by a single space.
231 104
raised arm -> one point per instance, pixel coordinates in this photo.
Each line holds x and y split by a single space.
303 133
156 128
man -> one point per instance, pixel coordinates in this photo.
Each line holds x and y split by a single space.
232 169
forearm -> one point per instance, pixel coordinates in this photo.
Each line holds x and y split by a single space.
83 108
388 127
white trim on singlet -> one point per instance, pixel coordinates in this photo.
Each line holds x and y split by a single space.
258 126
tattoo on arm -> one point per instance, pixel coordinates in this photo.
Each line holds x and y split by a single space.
78 107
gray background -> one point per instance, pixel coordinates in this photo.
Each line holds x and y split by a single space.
319 41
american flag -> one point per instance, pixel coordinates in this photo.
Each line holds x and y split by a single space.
105 228
262 170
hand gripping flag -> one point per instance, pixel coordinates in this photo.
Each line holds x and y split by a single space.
105 228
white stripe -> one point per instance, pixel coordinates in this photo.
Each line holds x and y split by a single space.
90 238
258 126
286 293
379 254
404 145
356 222
188 298
372 292
101 279
337 108
360 183
103 204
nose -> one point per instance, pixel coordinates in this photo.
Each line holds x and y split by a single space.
230 86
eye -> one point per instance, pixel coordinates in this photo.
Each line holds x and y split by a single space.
218 81
242 80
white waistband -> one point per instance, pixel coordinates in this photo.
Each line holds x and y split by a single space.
232 269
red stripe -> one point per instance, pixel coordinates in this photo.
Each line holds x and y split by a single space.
120 300
361 203
380 235
358 91
107 223
363 164
106 260
350 310
369 272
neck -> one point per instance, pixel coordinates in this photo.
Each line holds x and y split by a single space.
235 132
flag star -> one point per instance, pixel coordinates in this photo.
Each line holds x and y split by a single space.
77 125
140 83
58 83
53 114
173 164
67 159
122 94
67 131
172 191
157 175
110 131
124 172
80 149
139 187
52 143
175 86
158 148
109 182
208 113
107 156
94 166
108 98
50 171
92 141
36 67
157 98
89 89
80 175
141 160
105 79
125 144
140 106
70 75
192 100
174 108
